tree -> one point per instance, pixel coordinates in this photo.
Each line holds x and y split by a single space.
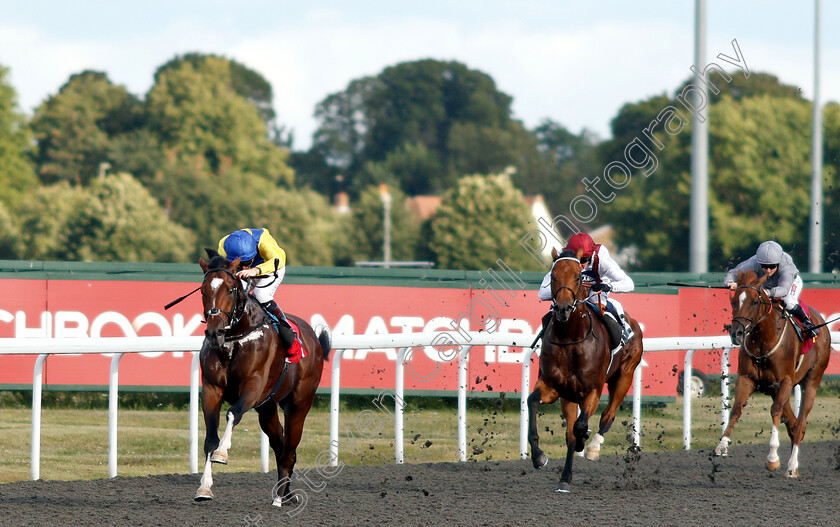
197 114
11 244
418 115
47 236
831 186
759 161
248 83
16 177
479 221
368 233
75 127
114 219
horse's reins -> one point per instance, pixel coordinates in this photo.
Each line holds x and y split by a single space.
575 304
754 324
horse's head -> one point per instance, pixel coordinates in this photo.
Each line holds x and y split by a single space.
222 297
566 283
750 305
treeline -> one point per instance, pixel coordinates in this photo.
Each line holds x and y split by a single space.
100 174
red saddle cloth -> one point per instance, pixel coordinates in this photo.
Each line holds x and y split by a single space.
807 344
295 352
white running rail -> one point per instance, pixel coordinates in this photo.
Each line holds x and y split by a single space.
117 346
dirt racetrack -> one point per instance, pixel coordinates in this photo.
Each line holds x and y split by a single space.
682 488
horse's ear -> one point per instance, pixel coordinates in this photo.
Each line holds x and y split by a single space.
554 253
579 253
204 265
761 280
234 265
210 252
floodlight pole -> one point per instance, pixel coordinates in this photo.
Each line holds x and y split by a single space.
699 221
386 224
815 241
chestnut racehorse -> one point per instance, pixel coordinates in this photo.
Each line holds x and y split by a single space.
771 360
575 363
244 363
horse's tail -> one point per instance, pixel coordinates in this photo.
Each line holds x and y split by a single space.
324 339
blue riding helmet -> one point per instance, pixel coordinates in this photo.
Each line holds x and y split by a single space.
241 245
769 253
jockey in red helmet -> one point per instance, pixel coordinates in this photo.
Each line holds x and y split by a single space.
603 273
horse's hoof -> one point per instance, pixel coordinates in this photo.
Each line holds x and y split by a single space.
563 488
278 502
772 465
540 461
593 455
219 457
579 454
204 494
792 473
721 451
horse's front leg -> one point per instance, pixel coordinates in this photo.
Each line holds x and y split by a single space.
780 400
570 415
744 387
542 394
247 399
211 403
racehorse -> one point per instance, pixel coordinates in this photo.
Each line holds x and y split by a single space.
575 363
244 363
772 359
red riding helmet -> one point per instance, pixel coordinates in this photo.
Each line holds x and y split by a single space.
583 241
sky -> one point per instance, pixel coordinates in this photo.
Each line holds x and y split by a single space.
575 63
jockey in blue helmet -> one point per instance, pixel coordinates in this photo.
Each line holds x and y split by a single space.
260 256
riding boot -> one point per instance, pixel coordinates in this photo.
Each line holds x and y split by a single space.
808 330
287 334
628 334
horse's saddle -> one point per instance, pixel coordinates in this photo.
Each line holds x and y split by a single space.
610 319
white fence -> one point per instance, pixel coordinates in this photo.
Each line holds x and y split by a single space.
117 346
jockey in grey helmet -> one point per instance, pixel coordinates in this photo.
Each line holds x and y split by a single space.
783 280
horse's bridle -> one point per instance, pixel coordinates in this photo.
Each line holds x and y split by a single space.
577 301
238 311
752 324
575 294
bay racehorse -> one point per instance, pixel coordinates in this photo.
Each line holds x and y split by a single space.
575 363
243 362
772 359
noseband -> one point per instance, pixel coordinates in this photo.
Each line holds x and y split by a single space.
575 294
235 315
751 324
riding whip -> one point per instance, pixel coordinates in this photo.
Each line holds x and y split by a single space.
167 306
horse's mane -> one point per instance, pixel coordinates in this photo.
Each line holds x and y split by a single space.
217 261
746 277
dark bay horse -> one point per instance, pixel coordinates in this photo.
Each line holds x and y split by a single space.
244 363
575 363
770 360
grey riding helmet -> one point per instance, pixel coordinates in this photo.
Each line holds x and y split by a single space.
769 252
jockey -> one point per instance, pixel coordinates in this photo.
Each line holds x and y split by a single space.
783 281
260 255
596 264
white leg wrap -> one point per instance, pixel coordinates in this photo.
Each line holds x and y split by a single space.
723 447
773 456
224 444
207 475
793 462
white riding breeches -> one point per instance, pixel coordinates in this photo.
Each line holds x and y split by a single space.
792 298
265 287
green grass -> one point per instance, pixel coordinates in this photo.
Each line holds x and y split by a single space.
74 442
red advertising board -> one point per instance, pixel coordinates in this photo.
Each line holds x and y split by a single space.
93 308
